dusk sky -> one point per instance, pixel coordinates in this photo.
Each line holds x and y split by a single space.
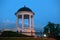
45 11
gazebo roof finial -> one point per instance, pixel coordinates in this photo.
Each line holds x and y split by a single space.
24 6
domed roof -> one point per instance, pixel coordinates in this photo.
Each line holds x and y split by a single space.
24 9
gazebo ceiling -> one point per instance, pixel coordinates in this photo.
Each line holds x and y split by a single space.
25 16
24 9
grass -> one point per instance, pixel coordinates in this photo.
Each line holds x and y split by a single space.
17 38
24 38
13 34
9 35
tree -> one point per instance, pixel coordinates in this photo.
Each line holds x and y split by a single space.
57 30
46 30
53 29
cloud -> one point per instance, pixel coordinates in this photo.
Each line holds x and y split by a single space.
8 21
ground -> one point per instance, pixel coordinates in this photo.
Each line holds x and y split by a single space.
9 35
25 38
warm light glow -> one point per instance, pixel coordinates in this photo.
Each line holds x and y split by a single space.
45 35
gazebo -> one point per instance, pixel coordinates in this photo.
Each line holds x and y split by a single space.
25 13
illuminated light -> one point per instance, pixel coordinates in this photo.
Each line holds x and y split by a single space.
45 35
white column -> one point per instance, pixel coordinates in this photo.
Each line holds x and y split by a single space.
22 22
30 21
16 21
17 24
32 27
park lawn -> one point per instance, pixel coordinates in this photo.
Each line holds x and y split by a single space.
9 35
24 38
20 38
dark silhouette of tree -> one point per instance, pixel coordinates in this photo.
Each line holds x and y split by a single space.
52 29
46 29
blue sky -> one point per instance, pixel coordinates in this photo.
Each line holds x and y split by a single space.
45 10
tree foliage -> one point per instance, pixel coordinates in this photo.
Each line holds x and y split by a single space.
53 29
